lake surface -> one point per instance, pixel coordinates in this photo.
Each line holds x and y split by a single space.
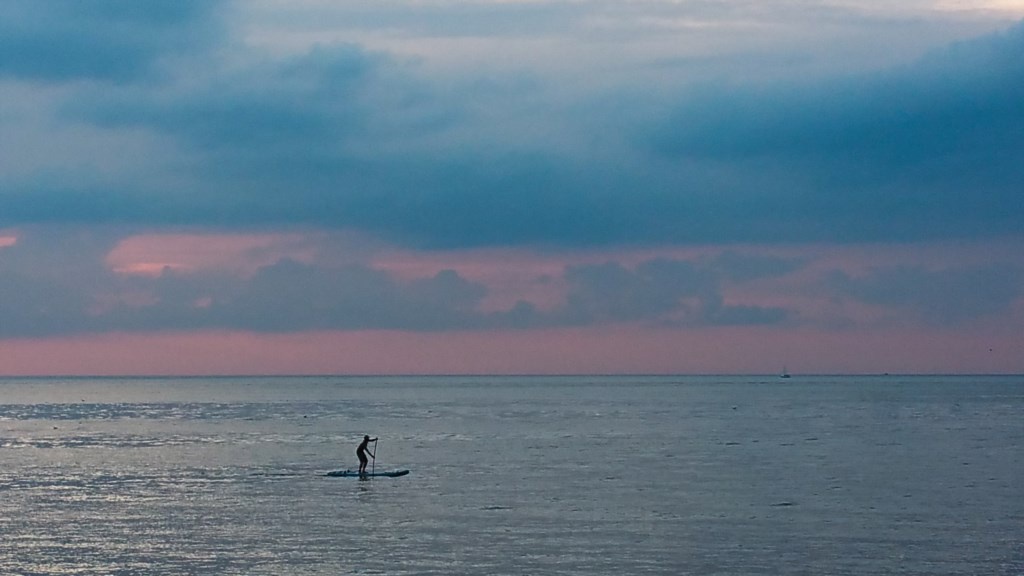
514 475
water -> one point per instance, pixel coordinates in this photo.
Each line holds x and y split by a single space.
514 475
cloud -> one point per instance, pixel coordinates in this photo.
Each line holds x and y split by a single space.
949 296
670 291
60 281
290 296
740 267
312 100
929 150
30 307
46 281
114 40
332 138
57 281
344 137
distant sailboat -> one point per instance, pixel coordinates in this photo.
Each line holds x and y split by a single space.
785 373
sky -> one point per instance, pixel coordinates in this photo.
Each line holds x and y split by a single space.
511 187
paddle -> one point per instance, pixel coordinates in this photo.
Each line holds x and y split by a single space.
373 465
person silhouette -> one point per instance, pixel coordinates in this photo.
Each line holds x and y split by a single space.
361 453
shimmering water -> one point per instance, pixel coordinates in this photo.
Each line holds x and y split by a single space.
514 475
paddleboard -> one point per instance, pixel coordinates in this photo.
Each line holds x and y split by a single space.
356 474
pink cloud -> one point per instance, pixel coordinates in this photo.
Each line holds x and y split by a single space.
152 254
7 239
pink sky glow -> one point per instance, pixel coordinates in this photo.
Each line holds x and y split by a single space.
623 349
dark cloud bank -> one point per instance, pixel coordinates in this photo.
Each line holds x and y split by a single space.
114 40
344 138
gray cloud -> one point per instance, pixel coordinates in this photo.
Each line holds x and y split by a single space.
670 291
939 297
48 280
315 101
56 281
610 292
31 307
284 297
741 267
293 296
113 40
343 137
925 151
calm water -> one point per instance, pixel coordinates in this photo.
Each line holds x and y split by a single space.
580 475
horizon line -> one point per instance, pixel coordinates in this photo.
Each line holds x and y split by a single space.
797 375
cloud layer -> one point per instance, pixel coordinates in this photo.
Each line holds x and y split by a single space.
344 137
54 283
440 167
114 41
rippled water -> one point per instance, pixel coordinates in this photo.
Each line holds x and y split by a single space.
513 475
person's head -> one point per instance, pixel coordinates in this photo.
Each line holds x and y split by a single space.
367 437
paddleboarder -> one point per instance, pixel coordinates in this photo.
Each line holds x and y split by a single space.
361 453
